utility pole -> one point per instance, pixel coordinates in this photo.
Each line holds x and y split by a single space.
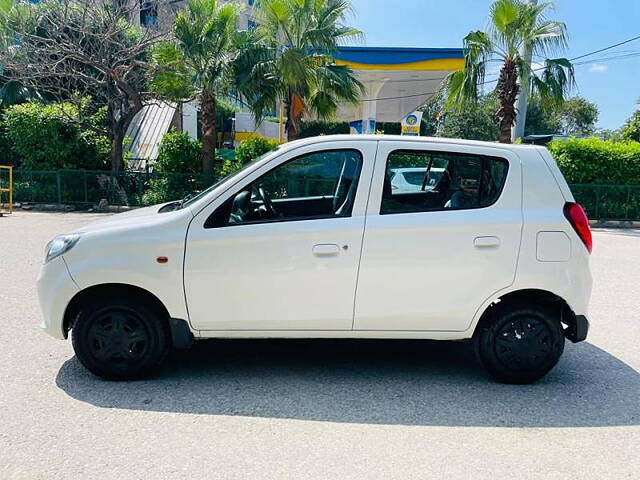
517 131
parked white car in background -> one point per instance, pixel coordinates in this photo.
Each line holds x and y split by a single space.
312 240
415 179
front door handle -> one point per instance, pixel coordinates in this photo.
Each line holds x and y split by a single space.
486 242
326 250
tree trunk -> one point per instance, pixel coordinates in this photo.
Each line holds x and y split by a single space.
507 94
208 125
117 150
120 117
293 120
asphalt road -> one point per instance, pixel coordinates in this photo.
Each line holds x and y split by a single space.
317 409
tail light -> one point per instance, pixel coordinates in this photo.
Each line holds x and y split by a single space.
580 223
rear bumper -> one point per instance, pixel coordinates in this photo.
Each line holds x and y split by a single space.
577 332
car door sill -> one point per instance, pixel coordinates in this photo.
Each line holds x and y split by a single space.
347 334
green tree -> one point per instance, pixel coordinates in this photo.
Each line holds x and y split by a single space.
75 50
197 62
541 120
294 62
575 116
631 129
578 116
515 26
474 123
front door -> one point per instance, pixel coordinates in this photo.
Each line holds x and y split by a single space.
281 251
440 240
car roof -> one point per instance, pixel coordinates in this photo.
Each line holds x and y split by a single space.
400 138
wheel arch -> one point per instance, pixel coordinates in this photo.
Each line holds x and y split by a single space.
84 297
530 296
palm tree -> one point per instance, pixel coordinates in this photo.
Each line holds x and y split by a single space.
292 60
515 27
197 63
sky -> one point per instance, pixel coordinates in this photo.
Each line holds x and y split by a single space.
613 85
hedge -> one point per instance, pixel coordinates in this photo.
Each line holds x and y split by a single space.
42 137
591 160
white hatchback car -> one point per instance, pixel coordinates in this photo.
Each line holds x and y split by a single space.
310 241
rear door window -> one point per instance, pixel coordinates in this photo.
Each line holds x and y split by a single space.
443 181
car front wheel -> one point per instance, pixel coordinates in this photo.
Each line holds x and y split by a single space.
519 344
120 338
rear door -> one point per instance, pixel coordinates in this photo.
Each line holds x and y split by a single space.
431 258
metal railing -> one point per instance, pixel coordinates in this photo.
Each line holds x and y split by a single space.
6 187
89 187
609 202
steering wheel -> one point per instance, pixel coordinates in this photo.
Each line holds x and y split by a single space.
268 204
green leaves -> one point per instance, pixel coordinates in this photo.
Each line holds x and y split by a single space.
515 27
591 160
45 137
555 81
504 14
252 148
171 78
203 49
631 129
296 39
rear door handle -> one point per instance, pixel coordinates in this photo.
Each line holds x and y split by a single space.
326 250
486 242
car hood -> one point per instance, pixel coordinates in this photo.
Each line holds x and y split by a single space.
132 218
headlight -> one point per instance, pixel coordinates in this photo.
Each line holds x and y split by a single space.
60 245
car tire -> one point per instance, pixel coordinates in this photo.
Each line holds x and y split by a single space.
519 344
121 338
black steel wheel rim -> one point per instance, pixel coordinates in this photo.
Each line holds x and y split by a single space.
118 337
523 344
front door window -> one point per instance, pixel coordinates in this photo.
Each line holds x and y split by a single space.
312 186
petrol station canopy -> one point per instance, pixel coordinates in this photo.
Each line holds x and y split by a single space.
397 80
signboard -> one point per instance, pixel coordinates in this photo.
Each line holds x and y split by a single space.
360 127
411 124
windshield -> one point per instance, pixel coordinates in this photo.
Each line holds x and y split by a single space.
201 194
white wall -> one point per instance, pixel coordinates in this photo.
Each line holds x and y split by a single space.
245 126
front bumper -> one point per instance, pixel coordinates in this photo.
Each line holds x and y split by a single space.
56 288
577 331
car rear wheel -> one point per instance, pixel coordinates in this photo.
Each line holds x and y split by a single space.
518 344
120 338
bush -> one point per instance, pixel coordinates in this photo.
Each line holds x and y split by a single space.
247 150
42 137
178 152
177 168
591 160
252 148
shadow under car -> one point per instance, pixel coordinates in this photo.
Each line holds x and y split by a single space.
370 381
